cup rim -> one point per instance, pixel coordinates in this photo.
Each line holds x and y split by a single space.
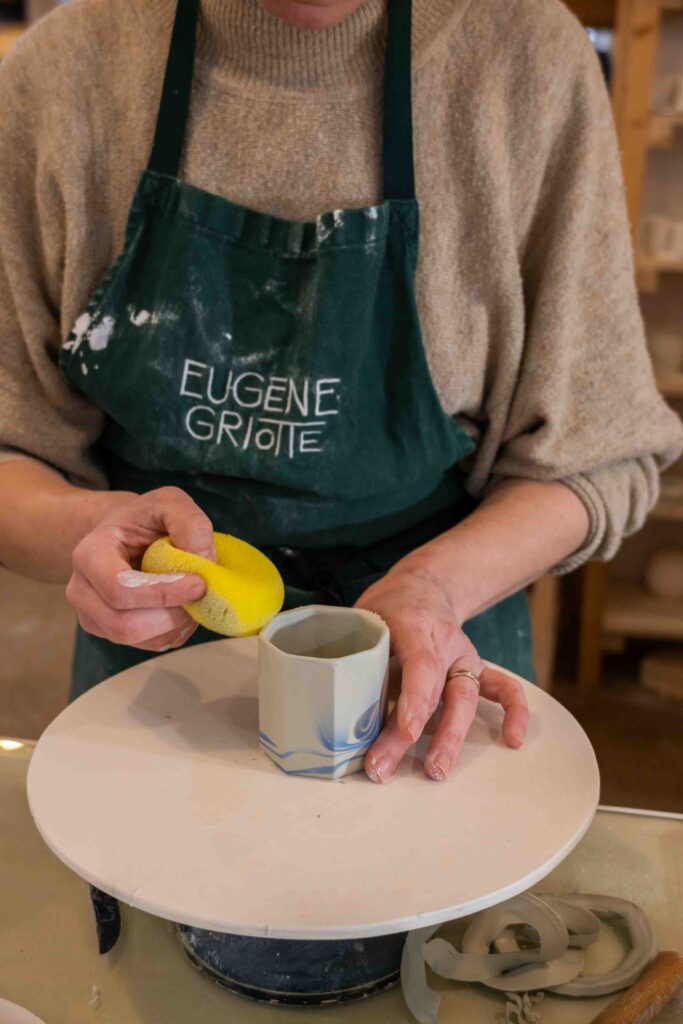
325 609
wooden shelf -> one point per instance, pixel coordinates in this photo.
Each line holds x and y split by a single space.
610 612
662 266
661 129
632 611
9 33
670 384
648 270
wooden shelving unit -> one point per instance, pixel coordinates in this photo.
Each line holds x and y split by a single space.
9 33
545 597
611 610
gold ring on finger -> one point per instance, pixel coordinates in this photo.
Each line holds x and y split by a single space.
468 675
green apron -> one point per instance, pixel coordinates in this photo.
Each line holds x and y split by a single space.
275 371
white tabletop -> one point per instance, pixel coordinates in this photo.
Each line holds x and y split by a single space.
153 787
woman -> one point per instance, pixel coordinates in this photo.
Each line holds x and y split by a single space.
258 354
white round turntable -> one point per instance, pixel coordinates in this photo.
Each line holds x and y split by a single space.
153 787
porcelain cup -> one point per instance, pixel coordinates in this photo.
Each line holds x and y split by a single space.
322 688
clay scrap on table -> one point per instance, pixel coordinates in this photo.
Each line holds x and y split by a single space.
520 1009
526 944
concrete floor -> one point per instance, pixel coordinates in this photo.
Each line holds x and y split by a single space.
637 736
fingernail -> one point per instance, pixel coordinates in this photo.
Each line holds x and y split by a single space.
197 590
183 635
414 729
133 578
517 739
209 553
379 768
168 647
439 767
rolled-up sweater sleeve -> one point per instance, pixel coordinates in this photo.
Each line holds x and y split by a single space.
586 408
41 417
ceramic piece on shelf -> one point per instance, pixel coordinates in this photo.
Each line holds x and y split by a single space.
666 349
322 688
662 237
664 573
657 236
676 94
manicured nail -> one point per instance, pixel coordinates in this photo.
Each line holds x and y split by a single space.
379 768
414 729
133 578
439 767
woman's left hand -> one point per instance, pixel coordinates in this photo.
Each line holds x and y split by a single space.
428 641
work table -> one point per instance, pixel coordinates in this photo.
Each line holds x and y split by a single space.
49 961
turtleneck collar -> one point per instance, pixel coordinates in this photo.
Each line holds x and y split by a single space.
261 52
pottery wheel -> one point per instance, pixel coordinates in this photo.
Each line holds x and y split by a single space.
153 787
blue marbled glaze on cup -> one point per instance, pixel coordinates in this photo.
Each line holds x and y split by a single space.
322 688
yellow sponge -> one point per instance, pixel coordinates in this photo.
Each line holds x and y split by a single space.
244 590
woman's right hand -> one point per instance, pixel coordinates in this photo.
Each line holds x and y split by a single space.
113 598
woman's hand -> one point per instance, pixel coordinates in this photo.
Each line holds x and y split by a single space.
431 647
116 601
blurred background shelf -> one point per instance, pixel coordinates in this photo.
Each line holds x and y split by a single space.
632 611
671 384
662 128
648 271
616 613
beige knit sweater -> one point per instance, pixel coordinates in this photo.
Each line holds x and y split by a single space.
525 281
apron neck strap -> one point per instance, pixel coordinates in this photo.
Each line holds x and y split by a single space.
175 95
397 121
